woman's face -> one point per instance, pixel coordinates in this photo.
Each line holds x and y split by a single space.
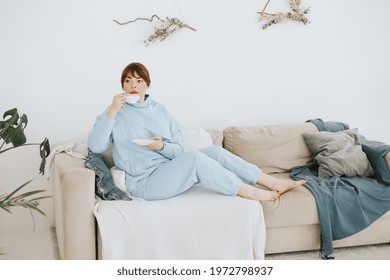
135 84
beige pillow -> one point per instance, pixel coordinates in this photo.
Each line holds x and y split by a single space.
216 136
338 153
273 148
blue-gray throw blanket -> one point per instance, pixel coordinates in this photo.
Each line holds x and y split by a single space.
347 205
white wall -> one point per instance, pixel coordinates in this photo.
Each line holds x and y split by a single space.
60 63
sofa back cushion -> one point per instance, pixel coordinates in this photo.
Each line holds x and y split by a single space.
216 136
195 139
273 148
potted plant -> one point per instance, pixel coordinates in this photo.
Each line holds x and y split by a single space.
11 137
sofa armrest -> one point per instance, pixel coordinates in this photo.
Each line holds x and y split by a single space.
74 197
387 158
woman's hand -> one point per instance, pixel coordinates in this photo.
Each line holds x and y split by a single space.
118 102
158 144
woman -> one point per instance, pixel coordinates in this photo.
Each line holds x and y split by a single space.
160 169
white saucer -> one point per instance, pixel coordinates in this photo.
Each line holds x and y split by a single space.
143 142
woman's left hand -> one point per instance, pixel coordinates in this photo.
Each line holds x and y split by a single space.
157 145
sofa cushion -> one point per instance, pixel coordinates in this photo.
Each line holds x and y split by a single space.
273 148
216 136
195 139
338 153
294 208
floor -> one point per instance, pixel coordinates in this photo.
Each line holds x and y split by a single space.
371 252
29 245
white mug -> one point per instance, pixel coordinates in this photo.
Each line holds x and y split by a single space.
132 98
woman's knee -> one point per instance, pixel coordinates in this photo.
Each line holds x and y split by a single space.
213 151
194 156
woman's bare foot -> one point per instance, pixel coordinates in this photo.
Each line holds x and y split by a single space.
284 185
250 192
279 185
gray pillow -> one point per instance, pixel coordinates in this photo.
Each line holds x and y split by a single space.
338 153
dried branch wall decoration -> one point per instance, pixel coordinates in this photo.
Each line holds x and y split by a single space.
296 14
166 28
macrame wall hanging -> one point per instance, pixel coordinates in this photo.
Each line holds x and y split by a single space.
167 26
296 14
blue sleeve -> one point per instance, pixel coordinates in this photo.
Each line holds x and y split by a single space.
173 146
101 135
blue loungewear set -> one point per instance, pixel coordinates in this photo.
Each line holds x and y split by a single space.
155 175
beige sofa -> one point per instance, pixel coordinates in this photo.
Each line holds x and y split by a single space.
292 222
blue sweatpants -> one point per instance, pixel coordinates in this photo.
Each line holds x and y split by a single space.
212 167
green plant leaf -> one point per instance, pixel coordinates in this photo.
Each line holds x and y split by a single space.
11 121
44 151
12 128
12 131
24 120
12 112
24 199
19 188
17 137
